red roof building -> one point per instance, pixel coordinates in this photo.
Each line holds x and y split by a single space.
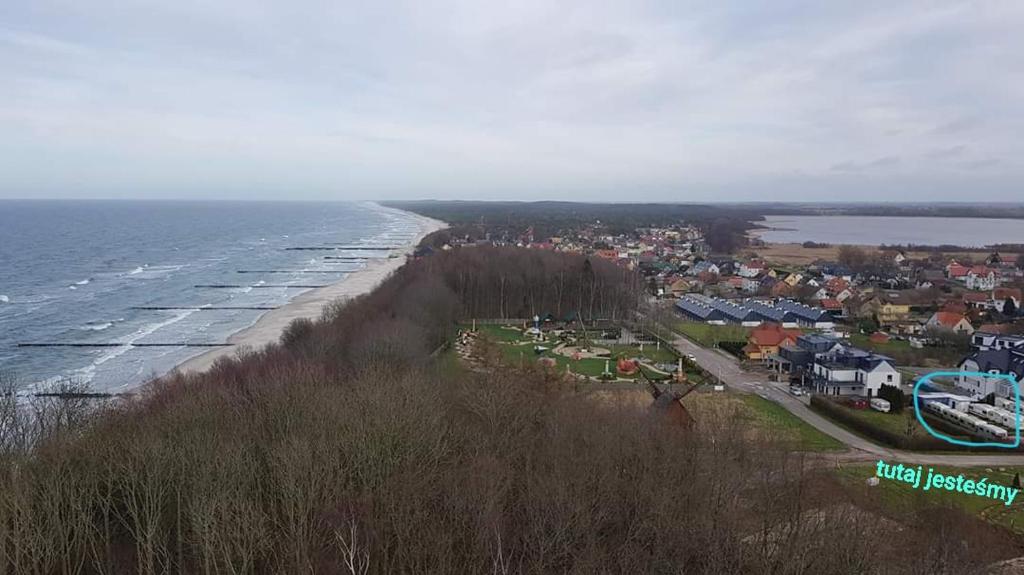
766 340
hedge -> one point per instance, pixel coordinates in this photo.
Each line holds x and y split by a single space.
841 414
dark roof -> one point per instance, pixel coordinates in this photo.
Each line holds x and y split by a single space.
712 308
1002 360
697 310
856 358
803 312
816 342
767 312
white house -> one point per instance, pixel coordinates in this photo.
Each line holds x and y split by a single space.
955 322
852 371
1006 361
750 269
985 341
981 278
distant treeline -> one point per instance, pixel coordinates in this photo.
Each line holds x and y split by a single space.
935 210
1004 248
724 227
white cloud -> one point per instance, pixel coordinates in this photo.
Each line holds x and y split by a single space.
534 99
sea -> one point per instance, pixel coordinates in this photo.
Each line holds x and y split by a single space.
879 230
84 272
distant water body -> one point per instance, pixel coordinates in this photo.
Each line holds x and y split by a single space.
72 272
878 230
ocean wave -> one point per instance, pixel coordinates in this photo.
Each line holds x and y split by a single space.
4 299
89 372
137 271
84 282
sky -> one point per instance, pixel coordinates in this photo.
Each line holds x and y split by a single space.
471 99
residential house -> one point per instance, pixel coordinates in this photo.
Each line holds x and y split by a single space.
986 339
853 371
976 300
1006 361
886 310
782 289
765 340
679 287
954 322
1001 294
981 278
798 359
751 269
955 271
705 266
833 306
833 270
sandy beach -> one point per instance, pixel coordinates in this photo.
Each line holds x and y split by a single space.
269 327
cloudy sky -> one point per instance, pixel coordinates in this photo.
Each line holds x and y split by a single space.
630 100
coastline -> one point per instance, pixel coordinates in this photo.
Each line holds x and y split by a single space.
309 305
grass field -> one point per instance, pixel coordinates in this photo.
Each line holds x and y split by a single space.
900 495
772 415
797 255
892 422
709 335
903 354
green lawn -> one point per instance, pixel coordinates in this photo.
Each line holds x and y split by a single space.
891 347
893 422
651 353
774 415
906 355
900 495
709 335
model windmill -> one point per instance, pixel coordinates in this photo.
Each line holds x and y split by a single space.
669 403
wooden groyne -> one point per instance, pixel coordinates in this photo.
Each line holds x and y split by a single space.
340 248
202 308
116 344
262 286
287 271
81 395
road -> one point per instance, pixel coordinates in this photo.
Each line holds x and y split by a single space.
728 369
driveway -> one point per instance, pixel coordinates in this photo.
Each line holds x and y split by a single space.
727 368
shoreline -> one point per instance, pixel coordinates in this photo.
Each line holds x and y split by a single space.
309 305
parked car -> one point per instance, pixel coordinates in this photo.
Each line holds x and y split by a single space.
796 391
691 357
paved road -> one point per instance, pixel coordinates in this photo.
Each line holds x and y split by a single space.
727 368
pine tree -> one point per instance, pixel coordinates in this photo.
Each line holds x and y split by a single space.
1009 307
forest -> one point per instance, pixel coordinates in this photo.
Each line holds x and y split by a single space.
358 445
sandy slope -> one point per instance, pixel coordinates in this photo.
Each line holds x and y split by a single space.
309 305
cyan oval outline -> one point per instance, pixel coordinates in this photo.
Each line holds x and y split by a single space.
1016 395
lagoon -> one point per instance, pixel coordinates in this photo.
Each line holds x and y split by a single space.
878 230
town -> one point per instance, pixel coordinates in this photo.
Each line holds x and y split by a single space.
849 334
